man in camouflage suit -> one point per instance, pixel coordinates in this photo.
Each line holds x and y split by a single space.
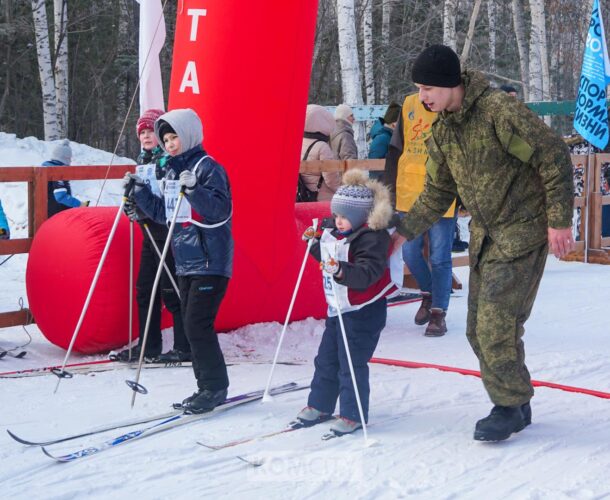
514 176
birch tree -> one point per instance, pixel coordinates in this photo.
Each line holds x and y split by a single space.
350 67
386 11
519 28
45 70
449 14
367 43
473 21
60 69
491 18
539 68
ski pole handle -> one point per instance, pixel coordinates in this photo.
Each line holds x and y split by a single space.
129 188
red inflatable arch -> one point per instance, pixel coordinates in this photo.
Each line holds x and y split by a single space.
244 67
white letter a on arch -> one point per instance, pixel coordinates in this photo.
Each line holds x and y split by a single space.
190 78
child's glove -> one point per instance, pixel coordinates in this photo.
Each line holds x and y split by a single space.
136 179
130 210
188 179
4 234
330 266
84 203
311 233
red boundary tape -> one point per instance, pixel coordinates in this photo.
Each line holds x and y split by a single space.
475 373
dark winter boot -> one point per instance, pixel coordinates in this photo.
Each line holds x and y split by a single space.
174 356
422 316
135 356
437 326
526 409
500 424
204 400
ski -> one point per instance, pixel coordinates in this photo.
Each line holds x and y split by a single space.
292 426
96 430
108 364
175 420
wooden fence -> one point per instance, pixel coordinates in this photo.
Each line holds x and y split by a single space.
37 179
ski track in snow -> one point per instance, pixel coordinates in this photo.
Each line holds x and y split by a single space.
423 419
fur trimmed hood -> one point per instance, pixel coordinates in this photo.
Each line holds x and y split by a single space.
382 211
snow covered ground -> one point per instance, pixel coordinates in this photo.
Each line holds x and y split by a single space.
422 419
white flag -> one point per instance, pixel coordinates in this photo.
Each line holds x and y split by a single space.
152 38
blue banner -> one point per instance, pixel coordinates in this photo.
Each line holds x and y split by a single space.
591 115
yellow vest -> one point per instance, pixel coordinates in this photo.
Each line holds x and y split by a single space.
417 125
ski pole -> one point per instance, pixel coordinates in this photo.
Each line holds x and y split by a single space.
266 396
7 259
135 385
351 366
169 274
61 372
130 286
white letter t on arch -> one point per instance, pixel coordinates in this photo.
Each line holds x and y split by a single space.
195 13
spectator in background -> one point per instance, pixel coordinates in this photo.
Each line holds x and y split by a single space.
405 172
342 139
381 133
319 124
509 89
59 192
5 231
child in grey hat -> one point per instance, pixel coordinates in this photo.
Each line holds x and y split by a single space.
60 192
354 253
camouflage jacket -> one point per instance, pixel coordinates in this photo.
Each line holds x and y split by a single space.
512 172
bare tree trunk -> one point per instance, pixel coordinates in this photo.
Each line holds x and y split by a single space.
45 70
519 27
60 70
449 15
122 96
473 21
491 17
367 42
350 67
386 11
536 62
7 60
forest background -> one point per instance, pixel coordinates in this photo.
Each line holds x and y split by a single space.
363 54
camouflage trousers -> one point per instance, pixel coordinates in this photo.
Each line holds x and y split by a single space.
500 299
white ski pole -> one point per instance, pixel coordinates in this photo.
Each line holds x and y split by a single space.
61 372
169 275
266 396
130 285
351 368
135 384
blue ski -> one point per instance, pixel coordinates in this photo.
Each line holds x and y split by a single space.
171 422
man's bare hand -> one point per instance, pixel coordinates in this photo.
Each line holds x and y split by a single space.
397 241
561 241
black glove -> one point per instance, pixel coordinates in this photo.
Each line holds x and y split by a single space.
5 234
130 209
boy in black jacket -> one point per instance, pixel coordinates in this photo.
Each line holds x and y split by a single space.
354 254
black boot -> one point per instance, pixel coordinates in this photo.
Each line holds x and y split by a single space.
501 423
174 356
204 400
149 357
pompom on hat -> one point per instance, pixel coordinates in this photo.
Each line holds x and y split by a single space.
147 120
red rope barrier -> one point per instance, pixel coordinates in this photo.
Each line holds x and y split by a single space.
475 373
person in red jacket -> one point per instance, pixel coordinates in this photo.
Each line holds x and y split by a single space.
354 253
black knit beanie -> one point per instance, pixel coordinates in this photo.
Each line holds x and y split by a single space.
392 113
437 66
165 128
